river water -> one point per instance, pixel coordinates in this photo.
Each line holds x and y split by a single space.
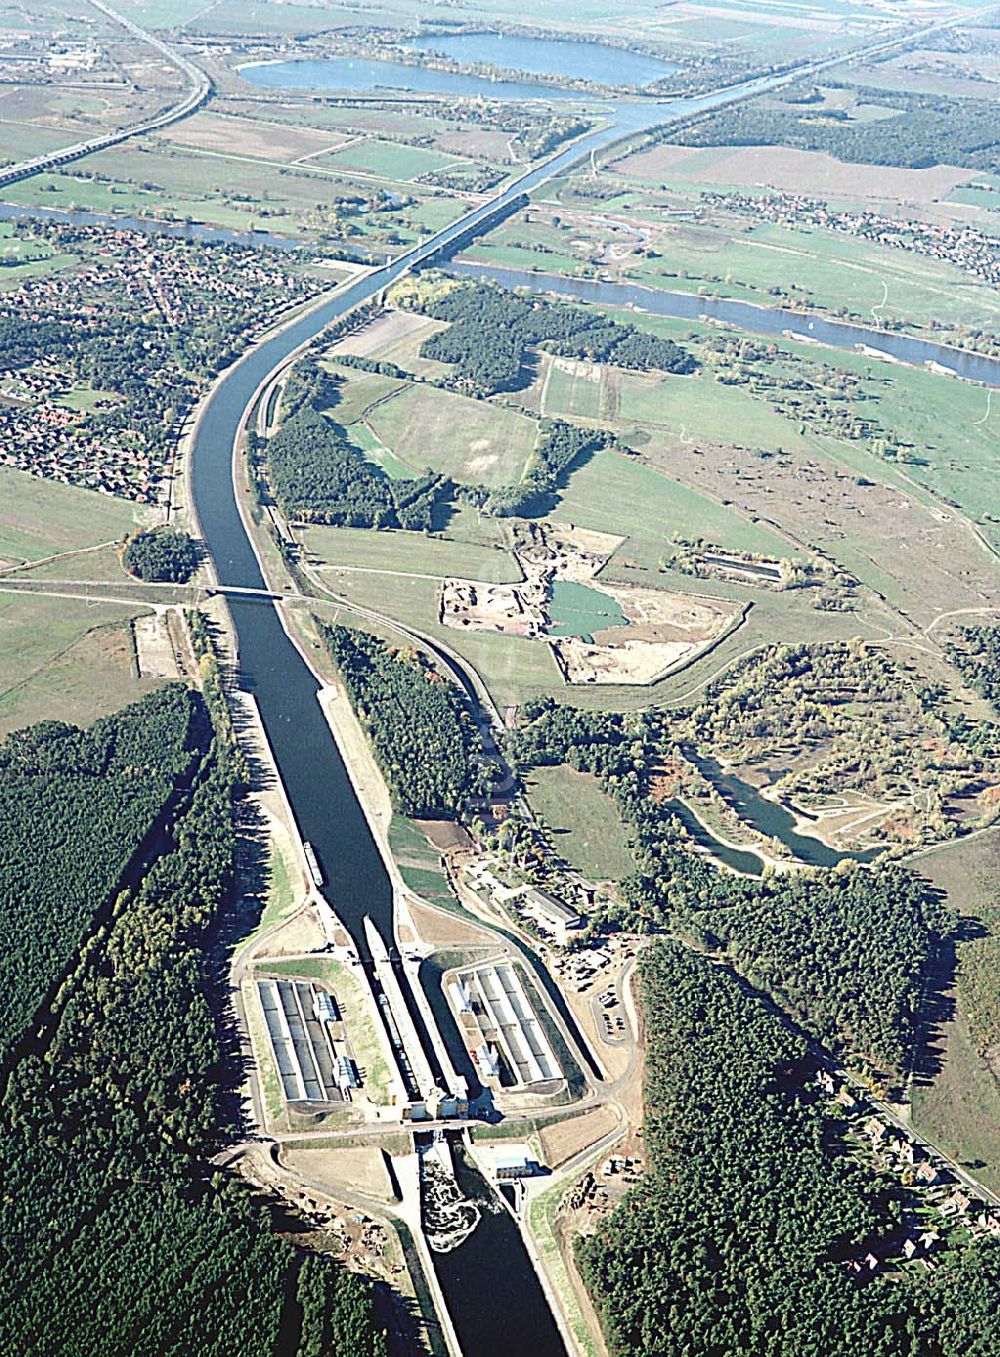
318 785
761 320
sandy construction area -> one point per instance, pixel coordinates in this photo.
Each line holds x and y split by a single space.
665 631
154 647
512 609
788 170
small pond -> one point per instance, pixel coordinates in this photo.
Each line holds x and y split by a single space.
578 610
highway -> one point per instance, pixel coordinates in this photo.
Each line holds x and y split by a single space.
199 87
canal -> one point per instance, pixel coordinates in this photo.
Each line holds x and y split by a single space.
489 1282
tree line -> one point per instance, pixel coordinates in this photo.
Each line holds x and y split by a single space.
929 129
75 805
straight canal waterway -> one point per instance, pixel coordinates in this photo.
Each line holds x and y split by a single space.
489 1281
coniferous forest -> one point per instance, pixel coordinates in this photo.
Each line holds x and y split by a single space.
116 1235
423 735
743 1234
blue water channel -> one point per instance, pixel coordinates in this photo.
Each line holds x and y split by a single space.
273 670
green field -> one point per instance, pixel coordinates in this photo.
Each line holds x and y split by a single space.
585 825
390 160
475 442
407 553
64 660
575 393
612 493
357 391
700 408
39 518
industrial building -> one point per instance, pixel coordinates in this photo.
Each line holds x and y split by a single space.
550 914
307 1040
501 1027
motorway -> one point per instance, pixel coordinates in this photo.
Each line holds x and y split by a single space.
198 89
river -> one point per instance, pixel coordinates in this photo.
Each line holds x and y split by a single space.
319 788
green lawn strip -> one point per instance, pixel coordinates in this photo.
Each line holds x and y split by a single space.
268 1078
408 553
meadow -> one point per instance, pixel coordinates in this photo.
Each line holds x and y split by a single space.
39 518
583 822
61 659
477 442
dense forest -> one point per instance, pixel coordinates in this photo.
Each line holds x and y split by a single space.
164 555
422 732
490 329
845 950
740 1237
74 807
316 474
930 129
115 1236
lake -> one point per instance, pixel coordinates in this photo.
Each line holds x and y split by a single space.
366 75
593 61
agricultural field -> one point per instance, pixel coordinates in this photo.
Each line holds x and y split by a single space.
412 554
470 441
63 659
957 1100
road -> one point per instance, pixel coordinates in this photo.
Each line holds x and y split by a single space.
199 87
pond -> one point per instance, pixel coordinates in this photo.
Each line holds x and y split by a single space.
577 610
740 860
771 817
593 61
